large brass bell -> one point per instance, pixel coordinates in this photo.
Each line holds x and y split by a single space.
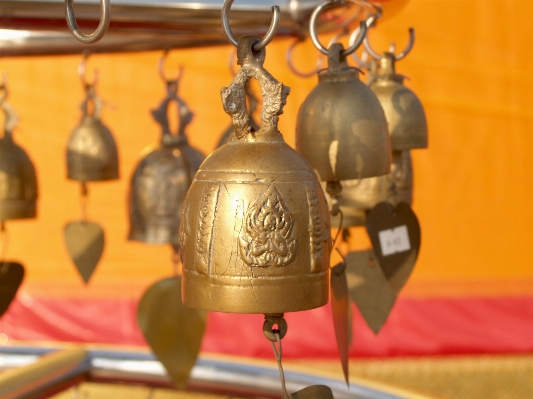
403 110
360 196
162 178
341 128
18 183
255 224
91 152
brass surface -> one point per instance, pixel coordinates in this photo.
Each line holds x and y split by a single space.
313 392
341 128
92 152
18 182
255 225
161 179
173 331
11 276
85 245
340 309
359 196
403 110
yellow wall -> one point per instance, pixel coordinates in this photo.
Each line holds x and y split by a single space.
470 66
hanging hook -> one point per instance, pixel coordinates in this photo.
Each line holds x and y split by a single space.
312 30
75 29
161 67
264 41
397 57
82 69
288 57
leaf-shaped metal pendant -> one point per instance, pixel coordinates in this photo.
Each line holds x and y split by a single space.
173 330
340 307
11 275
395 236
369 288
313 392
85 244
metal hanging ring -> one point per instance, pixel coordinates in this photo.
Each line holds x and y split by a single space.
82 70
268 327
75 29
397 57
288 57
264 41
161 67
314 36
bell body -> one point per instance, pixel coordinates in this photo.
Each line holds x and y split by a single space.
255 232
157 191
18 183
360 196
341 128
92 152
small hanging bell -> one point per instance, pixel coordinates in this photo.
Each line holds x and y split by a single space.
341 128
92 152
255 224
403 110
18 182
360 196
162 178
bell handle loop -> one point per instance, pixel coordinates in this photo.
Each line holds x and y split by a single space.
82 73
363 61
297 72
314 36
76 31
261 43
398 56
164 77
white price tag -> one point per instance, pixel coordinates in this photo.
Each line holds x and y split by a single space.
394 240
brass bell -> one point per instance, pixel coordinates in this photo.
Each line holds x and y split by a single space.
341 128
255 224
360 196
18 182
91 152
403 110
162 178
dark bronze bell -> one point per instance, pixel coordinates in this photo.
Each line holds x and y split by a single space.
360 196
18 183
255 223
341 128
162 178
403 110
91 152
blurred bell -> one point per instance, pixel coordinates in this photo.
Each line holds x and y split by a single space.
360 196
255 225
341 128
18 183
92 153
162 178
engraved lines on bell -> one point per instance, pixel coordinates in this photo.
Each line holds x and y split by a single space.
319 232
268 238
206 220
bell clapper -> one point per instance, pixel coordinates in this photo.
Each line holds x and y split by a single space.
84 199
274 336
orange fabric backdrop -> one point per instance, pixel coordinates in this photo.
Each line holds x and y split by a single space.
470 66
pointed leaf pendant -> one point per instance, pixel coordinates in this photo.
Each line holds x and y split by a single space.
85 244
11 276
173 330
340 306
313 392
369 288
395 236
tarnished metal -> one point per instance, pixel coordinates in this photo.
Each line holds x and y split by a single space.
359 196
162 178
255 224
341 128
18 182
92 152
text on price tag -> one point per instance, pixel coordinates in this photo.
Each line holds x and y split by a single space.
394 240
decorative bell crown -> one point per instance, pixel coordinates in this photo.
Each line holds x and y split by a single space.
162 178
255 225
18 183
91 152
403 110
